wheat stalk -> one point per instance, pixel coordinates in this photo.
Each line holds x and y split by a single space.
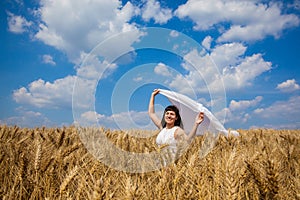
38 154
232 176
68 179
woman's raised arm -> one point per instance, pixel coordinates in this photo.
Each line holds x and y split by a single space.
198 120
151 110
180 134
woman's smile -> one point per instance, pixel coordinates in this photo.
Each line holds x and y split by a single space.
170 117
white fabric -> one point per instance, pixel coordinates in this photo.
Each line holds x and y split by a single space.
189 109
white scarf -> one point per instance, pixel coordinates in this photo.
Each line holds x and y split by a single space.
189 109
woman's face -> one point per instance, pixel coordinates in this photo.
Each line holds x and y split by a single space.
170 117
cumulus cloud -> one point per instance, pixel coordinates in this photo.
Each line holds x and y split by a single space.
229 54
59 93
206 43
245 72
89 118
124 121
174 33
138 78
250 20
153 10
244 104
282 109
85 24
225 64
27 118
162 69
288 86
17 24
48 59
240 111
278 115
281 114
93 68
42 93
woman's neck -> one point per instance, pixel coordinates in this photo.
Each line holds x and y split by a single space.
169 126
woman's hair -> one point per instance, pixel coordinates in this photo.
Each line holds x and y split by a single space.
178 121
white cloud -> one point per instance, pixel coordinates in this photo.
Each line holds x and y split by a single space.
288 86
174 33
245 72
250 20
48 59
93 68
59 93
124 121
240 117
41 93
229 54
153 10
183 84
201 72
50 37
283 125
90 118
26 118
278 115
138 78
225 64
207 42
17 24
85 24
281 109
244 104
162 69
239 111
281 114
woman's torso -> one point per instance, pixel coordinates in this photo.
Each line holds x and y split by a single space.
166 136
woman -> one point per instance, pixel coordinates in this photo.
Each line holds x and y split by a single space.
170 126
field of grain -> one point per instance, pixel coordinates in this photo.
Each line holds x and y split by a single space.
52 163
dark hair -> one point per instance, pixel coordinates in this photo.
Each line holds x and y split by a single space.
178 121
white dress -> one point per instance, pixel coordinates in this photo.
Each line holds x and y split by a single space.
166 136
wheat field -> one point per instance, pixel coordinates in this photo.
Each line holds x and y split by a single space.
53 163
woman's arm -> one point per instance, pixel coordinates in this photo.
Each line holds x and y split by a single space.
198 121
151 110
180 134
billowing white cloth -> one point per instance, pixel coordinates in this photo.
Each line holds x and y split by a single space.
189 109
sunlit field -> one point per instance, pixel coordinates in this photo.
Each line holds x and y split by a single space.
53 163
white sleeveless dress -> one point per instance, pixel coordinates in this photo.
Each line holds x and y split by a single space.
166 136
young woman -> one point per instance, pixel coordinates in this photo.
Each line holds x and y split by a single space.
170 126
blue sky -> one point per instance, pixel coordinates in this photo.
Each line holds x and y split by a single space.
238 58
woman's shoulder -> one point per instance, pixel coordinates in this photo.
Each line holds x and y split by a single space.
179 133
177 128
174 128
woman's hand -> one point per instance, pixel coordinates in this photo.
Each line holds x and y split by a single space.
155 92
199 118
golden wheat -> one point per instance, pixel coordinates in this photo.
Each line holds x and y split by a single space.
53 163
